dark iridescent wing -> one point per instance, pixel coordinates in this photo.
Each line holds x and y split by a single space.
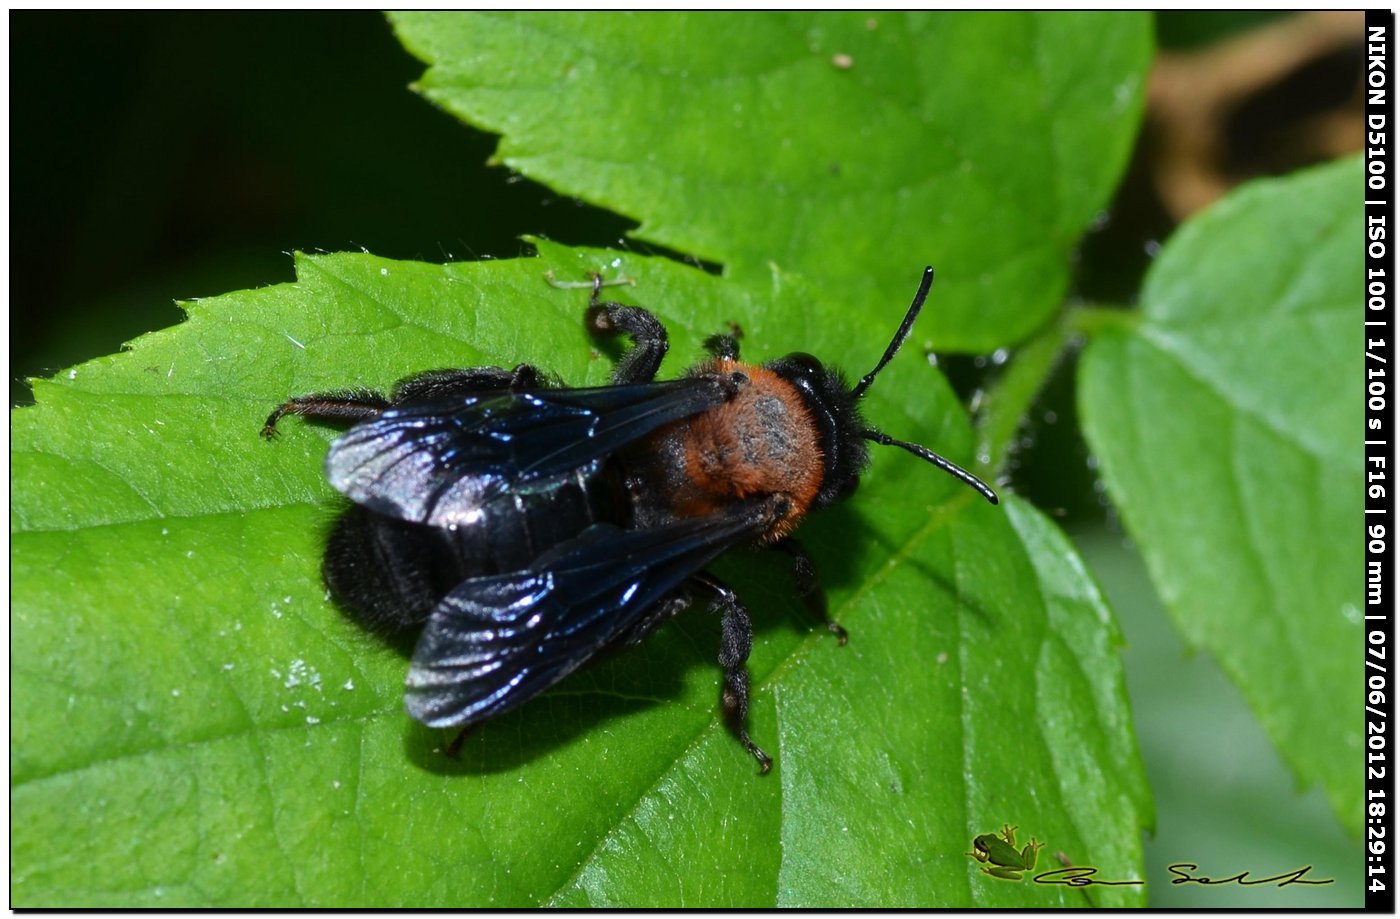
441 462
494 642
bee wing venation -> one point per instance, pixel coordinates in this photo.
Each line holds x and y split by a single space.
441 462
494 642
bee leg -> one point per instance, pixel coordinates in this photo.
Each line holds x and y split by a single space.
438 384
725 344
808 588
363 404
736 640
343 406
649 343
658 616
453 750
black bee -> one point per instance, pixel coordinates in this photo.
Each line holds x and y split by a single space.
525 528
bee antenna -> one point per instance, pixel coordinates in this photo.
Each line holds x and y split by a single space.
899 336
925 453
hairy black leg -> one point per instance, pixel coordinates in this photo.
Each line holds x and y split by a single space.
356 405
649 343
344 406
736 640
725 344
657 616
808 588
440 384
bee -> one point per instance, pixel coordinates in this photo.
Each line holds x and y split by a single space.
523 528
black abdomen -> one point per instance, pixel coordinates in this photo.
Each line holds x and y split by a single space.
388 574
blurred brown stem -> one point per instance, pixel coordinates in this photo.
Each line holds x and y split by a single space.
1192 94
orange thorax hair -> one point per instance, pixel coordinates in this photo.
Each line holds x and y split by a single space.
761 442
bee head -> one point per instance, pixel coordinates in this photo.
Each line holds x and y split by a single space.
835 411
842 432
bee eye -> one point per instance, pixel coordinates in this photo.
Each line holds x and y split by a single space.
805 362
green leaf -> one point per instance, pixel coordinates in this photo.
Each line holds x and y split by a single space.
1226 424
193 724
846 147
